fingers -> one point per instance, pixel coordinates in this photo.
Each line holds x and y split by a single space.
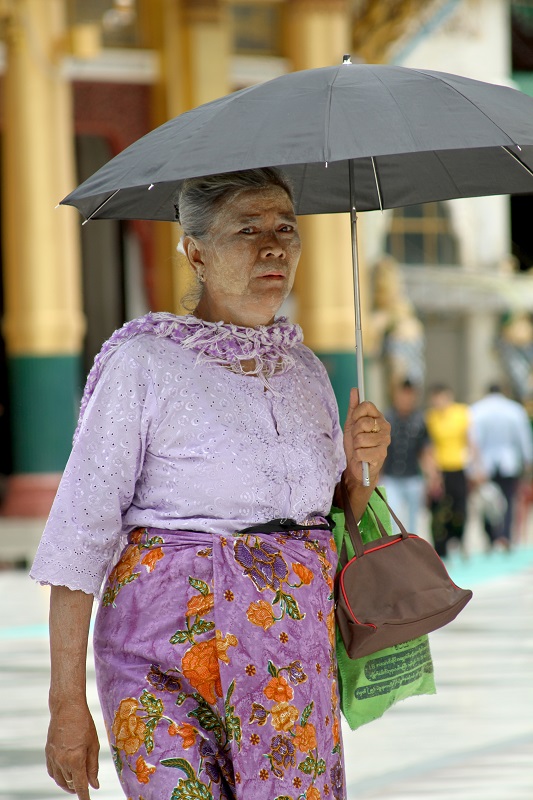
366 437
75 780
72 749
80 785
56 773
365 418
76 784
92 767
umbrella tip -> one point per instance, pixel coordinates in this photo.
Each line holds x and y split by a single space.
346 59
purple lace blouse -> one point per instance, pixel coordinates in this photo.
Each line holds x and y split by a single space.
173 435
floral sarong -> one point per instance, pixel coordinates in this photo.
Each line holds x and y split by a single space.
216 669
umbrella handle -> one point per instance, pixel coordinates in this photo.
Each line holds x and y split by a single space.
361 387
360 367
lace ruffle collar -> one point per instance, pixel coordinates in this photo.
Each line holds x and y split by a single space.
225 344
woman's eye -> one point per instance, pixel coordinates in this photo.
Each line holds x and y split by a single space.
247 230
286 229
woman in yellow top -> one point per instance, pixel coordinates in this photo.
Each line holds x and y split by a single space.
448 424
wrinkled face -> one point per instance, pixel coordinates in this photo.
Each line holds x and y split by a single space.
249 258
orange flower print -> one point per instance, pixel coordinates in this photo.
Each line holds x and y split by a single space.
305 737
200 604
151 558
305 575
283 716
127 728
143 770
173 729
123 569
312 793
136 535
200 665
279 690
335 730
330 622
334 696
261 614
222 644
188 733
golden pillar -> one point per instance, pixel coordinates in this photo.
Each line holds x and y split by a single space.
317 34
43 323
192 39
207 34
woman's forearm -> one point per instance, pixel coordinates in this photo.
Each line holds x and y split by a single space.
70 615
358 494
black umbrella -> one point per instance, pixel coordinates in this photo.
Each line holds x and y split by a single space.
351 138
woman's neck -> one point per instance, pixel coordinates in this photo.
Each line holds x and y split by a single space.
244 317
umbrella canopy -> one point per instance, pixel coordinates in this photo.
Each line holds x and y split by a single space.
411 136
351 138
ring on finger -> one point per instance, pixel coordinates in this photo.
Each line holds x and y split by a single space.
375 427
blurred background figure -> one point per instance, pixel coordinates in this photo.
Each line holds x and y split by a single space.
501 432
448 425
410 460
397 331
515 346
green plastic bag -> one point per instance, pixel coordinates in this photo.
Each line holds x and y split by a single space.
372 684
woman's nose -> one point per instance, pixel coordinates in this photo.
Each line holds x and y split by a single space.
272 247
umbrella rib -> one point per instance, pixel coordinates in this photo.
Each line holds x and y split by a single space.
398 106
448 173
454 89
302 183
377 183
525 166
96 210
328 115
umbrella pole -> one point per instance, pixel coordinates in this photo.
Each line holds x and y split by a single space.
360 371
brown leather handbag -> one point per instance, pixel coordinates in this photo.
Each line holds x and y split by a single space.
394 589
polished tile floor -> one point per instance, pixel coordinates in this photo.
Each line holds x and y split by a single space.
472 741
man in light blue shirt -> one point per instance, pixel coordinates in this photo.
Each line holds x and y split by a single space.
503 438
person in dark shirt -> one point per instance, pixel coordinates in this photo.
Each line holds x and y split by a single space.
410 463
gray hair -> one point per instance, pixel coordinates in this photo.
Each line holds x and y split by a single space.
200 198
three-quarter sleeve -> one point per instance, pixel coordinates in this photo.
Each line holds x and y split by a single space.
84 529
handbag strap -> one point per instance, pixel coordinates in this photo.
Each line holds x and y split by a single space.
353 528
351 524
401 526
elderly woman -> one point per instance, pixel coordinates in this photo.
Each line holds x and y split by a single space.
204 465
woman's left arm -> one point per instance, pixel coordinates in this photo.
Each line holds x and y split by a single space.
366 439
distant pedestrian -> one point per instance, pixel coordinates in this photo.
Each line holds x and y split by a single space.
503 439
410 461
448 424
